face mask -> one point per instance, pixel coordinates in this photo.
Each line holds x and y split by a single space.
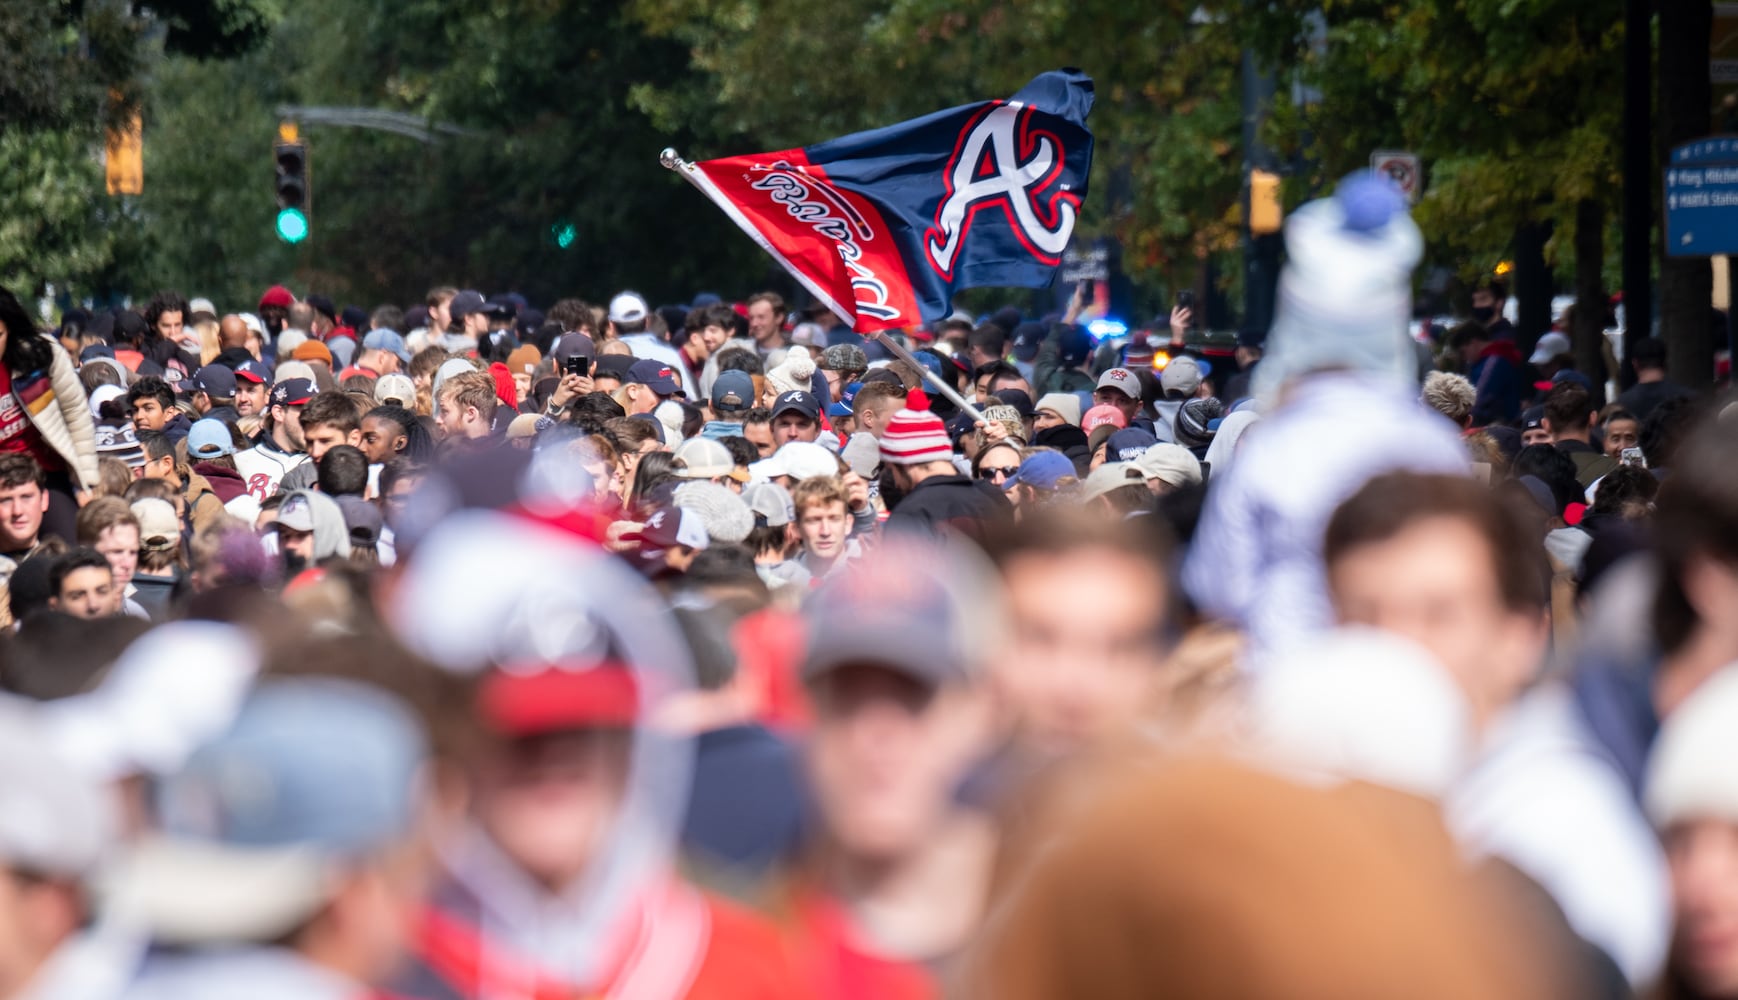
1484 314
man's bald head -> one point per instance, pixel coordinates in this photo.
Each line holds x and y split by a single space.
231 332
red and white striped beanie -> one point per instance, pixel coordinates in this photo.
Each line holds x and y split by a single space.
915 435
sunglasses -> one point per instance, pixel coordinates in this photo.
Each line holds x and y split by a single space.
997 471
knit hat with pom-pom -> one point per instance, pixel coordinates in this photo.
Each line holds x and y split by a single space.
794 374
915 435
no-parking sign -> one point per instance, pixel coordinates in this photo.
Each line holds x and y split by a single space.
1403 167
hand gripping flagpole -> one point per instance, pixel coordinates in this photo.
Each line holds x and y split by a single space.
671 161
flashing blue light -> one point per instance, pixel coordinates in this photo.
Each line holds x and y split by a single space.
1100 329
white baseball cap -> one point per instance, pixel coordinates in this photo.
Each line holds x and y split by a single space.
799 460
628 307
1549 346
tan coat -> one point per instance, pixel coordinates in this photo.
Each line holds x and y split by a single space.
65 422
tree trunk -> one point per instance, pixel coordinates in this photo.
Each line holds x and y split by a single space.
1532 284
1588 332
1685 104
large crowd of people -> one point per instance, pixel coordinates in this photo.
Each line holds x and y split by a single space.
470 650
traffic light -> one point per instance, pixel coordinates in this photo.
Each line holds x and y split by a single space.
1266 214
124 158
291 155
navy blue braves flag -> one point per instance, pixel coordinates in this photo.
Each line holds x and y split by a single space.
882 226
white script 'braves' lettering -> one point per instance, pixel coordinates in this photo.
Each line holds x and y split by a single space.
815 203
1017 185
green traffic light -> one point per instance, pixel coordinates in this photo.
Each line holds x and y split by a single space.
292 225
564 233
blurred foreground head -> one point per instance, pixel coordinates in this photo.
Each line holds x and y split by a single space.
1208 880
1345 296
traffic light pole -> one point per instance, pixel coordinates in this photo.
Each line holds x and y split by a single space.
1261 251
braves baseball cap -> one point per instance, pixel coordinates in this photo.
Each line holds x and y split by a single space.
209 438
733 392
1042 471
293 391
628 307
670 527
797 401
466 303
254 371
654 375
1122 380
214 380
314 774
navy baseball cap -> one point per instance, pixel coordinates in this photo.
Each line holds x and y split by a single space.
96 351
1042 471
1018 399
293 391
614 366
254 371
466 303
655 375
574 345
733 392
214 380
797 401
1128 444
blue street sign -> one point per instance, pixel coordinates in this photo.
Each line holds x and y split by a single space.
1702 198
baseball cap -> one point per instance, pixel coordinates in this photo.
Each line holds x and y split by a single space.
670 527
558 697
1064 404
722 511
386 340
396 389
159 528
1027 338
293 391
654 375
214 380
1042 471
1122 380
524 359
314 773
1018 399
501 305
797 459
893 610
573 345
1182 376
1170 463
1532 418
1128 444
1549 346
254 371
733 392
277 295
628 307
771 504
1110 476
704 458
209 438
797 401
449 368
201 307
96 351
1100 416
465 303
296 513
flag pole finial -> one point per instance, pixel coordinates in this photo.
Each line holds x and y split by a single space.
670 160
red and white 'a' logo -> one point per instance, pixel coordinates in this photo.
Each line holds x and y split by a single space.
1000 162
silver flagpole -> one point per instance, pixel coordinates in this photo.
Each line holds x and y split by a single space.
671 161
